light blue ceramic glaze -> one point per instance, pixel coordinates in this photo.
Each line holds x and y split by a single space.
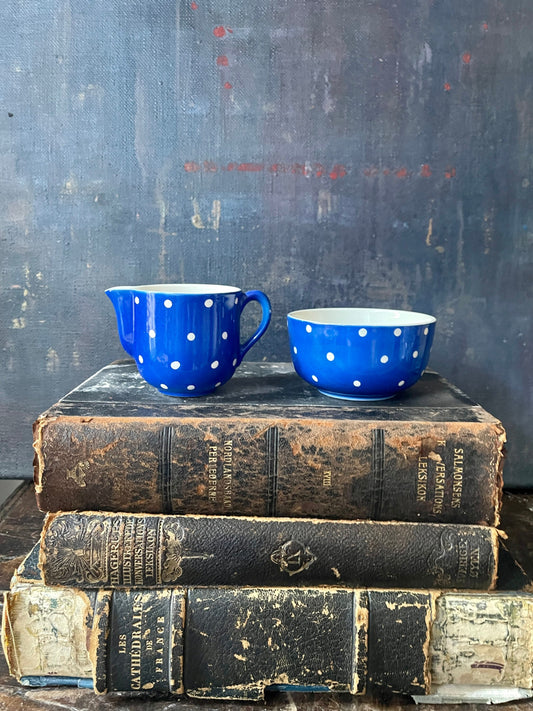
359 353
185 338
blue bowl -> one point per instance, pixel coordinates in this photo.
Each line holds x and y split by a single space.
358 353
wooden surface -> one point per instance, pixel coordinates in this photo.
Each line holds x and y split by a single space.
15 698
20 527
15 541
517 523
356 152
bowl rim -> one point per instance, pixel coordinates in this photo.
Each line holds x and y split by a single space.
367 317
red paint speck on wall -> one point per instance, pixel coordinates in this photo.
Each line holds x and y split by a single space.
227 85
222 61
338 171
425 171
401 173
194 6
250 167
449 173
299 169
467 57
447 86
219 31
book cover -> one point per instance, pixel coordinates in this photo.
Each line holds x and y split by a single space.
237 642
102 549
268 444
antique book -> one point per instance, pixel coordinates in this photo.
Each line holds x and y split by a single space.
268 444
237 642
104 549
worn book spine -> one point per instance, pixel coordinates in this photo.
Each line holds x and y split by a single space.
99 549
235 642
447 472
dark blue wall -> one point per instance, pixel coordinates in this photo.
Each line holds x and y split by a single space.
347 152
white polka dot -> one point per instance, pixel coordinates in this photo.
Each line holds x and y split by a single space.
234 363
191 387
225 335
384 359
175 364
295 350
362 332
151 333
357 383
165 387
397 331
330 356
136 299
215 364
415 354
402 382
313 377
308 328
141 359
208 303
217 385
191 336
426 331
167 303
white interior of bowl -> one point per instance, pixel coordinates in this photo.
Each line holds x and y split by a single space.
362 317
181 288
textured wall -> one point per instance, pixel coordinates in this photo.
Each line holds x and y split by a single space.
347 152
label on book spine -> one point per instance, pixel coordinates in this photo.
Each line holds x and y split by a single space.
143 650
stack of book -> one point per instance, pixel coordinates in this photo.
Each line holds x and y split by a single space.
268 537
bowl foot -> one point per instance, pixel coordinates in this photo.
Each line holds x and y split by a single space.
186 394
342 396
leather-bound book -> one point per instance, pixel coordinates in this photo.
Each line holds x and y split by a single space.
237 642
269 444
103 549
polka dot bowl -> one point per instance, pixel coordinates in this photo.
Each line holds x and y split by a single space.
360 353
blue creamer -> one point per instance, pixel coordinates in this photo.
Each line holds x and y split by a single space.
185 338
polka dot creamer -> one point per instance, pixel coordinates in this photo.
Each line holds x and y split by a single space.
185 338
